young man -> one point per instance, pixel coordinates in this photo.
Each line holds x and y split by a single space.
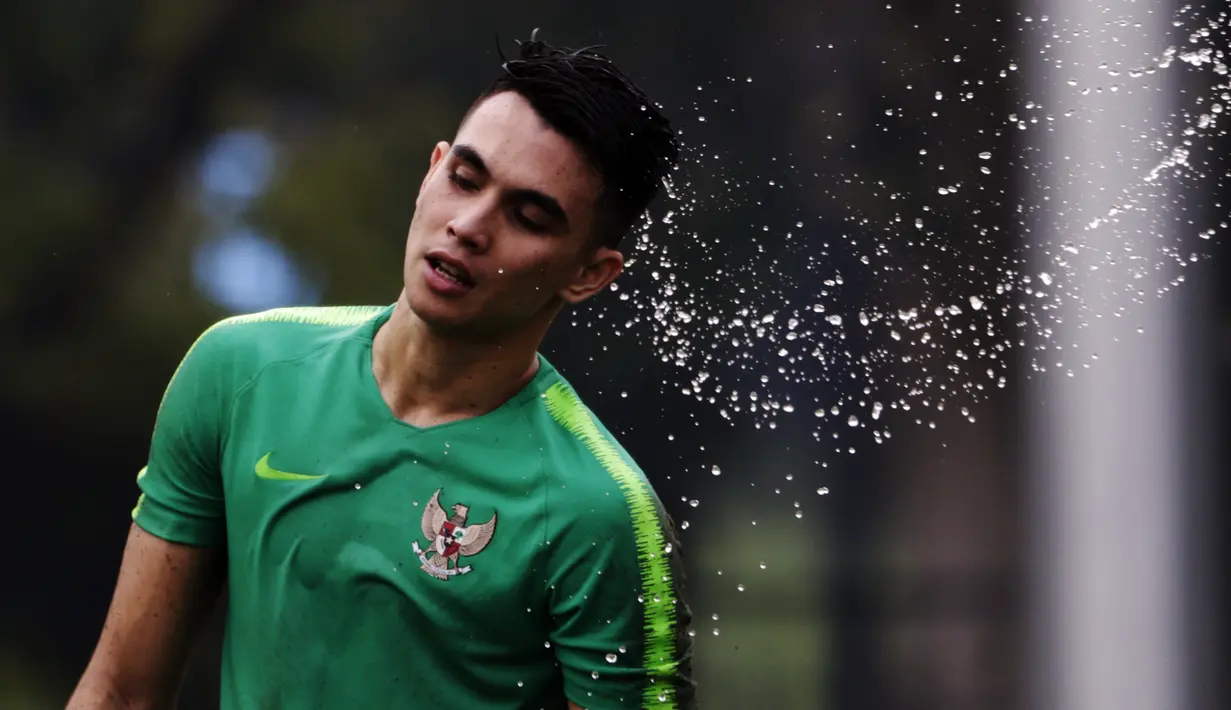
412 508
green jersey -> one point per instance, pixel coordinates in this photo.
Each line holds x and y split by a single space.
513 560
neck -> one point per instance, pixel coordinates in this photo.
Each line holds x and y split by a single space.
427 378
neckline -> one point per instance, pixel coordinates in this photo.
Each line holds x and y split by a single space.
537 385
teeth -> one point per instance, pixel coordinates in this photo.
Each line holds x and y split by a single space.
450 272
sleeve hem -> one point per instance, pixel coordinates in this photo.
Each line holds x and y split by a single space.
174 526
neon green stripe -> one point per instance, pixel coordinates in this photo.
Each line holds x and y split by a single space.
332 315
659 658
141 498
137 507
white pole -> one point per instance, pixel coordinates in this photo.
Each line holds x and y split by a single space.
1106 485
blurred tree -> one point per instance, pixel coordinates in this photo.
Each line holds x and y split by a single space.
106 113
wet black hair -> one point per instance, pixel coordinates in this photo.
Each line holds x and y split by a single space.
584 97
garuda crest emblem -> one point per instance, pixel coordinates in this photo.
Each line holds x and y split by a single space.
449 537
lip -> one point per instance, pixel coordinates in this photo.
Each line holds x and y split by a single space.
443 285
444 258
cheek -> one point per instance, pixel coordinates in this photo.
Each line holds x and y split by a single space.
427 208
535 273
530 258
433 201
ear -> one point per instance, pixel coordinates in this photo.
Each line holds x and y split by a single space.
438 154
597 274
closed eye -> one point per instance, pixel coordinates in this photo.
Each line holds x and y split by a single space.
528 223
463 182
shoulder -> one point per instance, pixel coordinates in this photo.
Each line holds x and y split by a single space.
246 343
283 332
588 471
234 350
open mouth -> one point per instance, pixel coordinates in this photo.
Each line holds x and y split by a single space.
451 272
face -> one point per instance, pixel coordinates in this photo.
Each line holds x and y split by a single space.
501 235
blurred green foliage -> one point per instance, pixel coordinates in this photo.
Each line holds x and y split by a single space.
106 109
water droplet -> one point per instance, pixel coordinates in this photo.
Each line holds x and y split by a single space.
521 684
985 155
716 471
594 675
358 486
740 587
976 302
853 420
612 658
822 491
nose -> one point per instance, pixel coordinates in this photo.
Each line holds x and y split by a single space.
471 226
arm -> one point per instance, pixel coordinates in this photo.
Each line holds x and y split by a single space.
620 617
174 560
164 593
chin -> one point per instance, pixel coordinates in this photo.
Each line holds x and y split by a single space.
435 313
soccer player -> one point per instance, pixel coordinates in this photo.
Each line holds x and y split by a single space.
411 507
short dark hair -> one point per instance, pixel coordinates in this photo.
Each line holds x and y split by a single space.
584 97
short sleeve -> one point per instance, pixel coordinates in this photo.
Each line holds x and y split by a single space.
620 623
181 484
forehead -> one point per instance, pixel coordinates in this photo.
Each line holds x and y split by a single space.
522 151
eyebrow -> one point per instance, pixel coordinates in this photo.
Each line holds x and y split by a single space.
543 201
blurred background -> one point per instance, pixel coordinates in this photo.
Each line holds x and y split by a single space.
927 348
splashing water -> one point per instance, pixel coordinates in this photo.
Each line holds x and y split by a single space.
881 310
